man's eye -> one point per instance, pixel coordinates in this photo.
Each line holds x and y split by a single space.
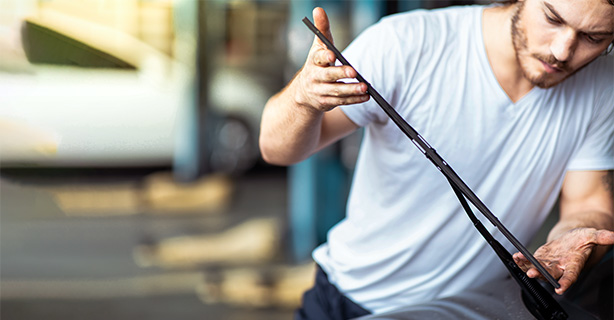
552 20
592 39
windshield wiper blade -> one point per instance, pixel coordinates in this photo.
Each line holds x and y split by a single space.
545 303
537 299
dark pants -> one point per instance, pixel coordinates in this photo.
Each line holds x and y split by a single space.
325 302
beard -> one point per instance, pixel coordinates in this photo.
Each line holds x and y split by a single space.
538 78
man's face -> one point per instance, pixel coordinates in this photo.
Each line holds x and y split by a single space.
555 38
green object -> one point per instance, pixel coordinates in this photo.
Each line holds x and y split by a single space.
44 45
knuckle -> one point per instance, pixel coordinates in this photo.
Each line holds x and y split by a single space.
357 99
329 56
570 274
322 102
360 88
339 101
329 76
317 58
321 57
349 71
340 74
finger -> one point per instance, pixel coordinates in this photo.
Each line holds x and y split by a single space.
604 237
521 261
534 273
342 90
519 257
320 19
570 276
324 58
333 101
334 74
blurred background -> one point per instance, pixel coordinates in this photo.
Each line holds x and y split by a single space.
131 184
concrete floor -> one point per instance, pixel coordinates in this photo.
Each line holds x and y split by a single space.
59 266
60 261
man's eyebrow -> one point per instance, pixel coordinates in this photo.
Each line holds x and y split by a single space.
600 33
556 14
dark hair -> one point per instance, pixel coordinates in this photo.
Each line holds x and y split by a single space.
514 1
509 2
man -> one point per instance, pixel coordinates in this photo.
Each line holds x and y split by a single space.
517 98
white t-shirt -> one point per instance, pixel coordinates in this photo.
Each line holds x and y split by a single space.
405 238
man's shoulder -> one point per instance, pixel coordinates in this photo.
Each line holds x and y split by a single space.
604 78
426 25
597 75
604 66
432 15
429 25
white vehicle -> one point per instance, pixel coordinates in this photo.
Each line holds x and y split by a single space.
81 91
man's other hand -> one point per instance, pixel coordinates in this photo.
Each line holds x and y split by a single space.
565 256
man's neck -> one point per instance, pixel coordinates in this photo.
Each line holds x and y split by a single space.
501 53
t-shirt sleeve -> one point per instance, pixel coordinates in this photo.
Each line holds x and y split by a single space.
597 150
376 55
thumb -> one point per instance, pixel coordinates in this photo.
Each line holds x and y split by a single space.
604 237
320 19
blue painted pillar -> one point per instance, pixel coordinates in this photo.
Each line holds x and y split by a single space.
411 5
301 178
318 191
318 186
365 13
187 156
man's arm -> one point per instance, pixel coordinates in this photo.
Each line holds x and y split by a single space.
302 118
584 230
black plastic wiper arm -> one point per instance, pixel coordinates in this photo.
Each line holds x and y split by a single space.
537 299
547 306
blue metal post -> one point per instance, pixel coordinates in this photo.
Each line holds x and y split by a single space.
408 5
187 155
319 185
301 180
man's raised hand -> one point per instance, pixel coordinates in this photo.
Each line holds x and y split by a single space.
318 85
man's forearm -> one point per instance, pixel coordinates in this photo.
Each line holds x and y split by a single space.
593 219
289 132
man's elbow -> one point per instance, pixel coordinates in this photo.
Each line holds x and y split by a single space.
275 156
270 158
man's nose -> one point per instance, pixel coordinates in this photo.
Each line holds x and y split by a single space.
564 44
